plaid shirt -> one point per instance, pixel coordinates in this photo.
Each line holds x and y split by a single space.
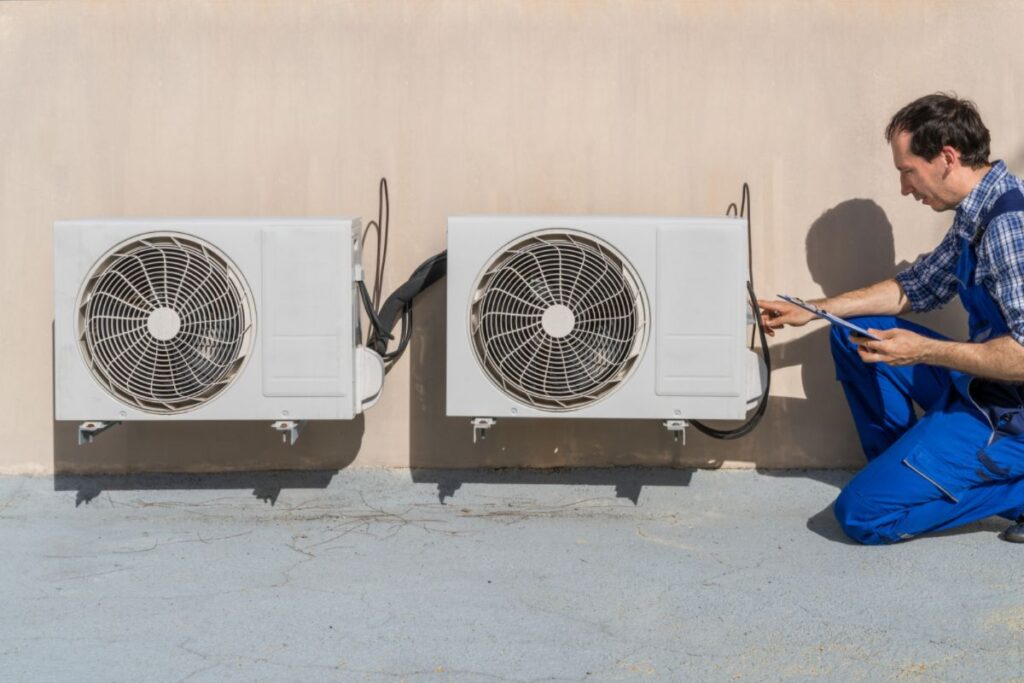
931 281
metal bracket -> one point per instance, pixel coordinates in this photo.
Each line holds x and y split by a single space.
88 431
480 426
678 428
289 430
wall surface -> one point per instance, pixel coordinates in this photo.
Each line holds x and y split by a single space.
196 107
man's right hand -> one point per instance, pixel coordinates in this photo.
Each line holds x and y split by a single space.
777 314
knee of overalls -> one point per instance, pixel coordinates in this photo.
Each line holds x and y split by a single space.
858 519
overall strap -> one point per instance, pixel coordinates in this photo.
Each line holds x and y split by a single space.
1008 202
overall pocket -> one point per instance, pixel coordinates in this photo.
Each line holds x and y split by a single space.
938 471
946 446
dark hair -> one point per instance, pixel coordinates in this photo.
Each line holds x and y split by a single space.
935 121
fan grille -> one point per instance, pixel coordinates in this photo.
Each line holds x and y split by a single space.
558 320
165 322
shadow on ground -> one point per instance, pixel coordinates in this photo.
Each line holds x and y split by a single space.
628 481
265 485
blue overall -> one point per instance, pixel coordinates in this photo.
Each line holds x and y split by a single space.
963 460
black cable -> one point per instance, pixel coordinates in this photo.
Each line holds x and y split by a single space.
384 221
384 318
392 357
743 211
375 323
383 228
399 306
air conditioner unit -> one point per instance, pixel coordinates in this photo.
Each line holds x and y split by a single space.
209 319
599 317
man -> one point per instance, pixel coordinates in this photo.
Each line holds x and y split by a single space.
963 460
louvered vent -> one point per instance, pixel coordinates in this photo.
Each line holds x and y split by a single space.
165 322
558 320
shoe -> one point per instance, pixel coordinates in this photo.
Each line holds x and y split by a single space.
1015 532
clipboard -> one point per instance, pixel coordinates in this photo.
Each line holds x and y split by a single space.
821 313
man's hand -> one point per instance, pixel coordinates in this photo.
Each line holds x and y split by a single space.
778 314
898 347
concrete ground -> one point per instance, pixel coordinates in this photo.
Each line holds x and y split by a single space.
610 575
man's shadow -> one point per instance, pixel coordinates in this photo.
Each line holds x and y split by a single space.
850 246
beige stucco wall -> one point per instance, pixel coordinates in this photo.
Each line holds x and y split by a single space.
297 108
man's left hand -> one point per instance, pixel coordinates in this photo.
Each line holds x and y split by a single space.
897 347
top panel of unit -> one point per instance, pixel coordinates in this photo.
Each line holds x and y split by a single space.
580 220
156 224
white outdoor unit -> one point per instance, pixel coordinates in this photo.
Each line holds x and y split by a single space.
209 319
599 317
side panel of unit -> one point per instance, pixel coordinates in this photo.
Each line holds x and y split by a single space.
306 335
699 309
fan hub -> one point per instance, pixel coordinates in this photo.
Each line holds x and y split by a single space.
164 323
558 321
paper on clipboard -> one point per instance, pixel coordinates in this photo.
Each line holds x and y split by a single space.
835 320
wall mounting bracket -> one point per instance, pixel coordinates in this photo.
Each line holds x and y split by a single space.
88 431
289 429
480 427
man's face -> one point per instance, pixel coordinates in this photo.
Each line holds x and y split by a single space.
924 179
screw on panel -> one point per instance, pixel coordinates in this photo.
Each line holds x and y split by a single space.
289 430
677 427
480 426
88 431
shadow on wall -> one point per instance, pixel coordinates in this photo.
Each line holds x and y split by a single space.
206 446
849 246
217 455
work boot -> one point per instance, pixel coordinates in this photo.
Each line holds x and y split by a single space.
1015 532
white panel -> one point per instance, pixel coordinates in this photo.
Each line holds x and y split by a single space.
304 338
699 296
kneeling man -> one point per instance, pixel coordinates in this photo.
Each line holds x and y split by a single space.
964 459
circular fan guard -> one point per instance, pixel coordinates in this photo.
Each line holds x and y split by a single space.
165 322
558 320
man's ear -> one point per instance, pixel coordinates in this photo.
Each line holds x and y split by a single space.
951 157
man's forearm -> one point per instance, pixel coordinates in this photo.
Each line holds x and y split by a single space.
882 298
1000 359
